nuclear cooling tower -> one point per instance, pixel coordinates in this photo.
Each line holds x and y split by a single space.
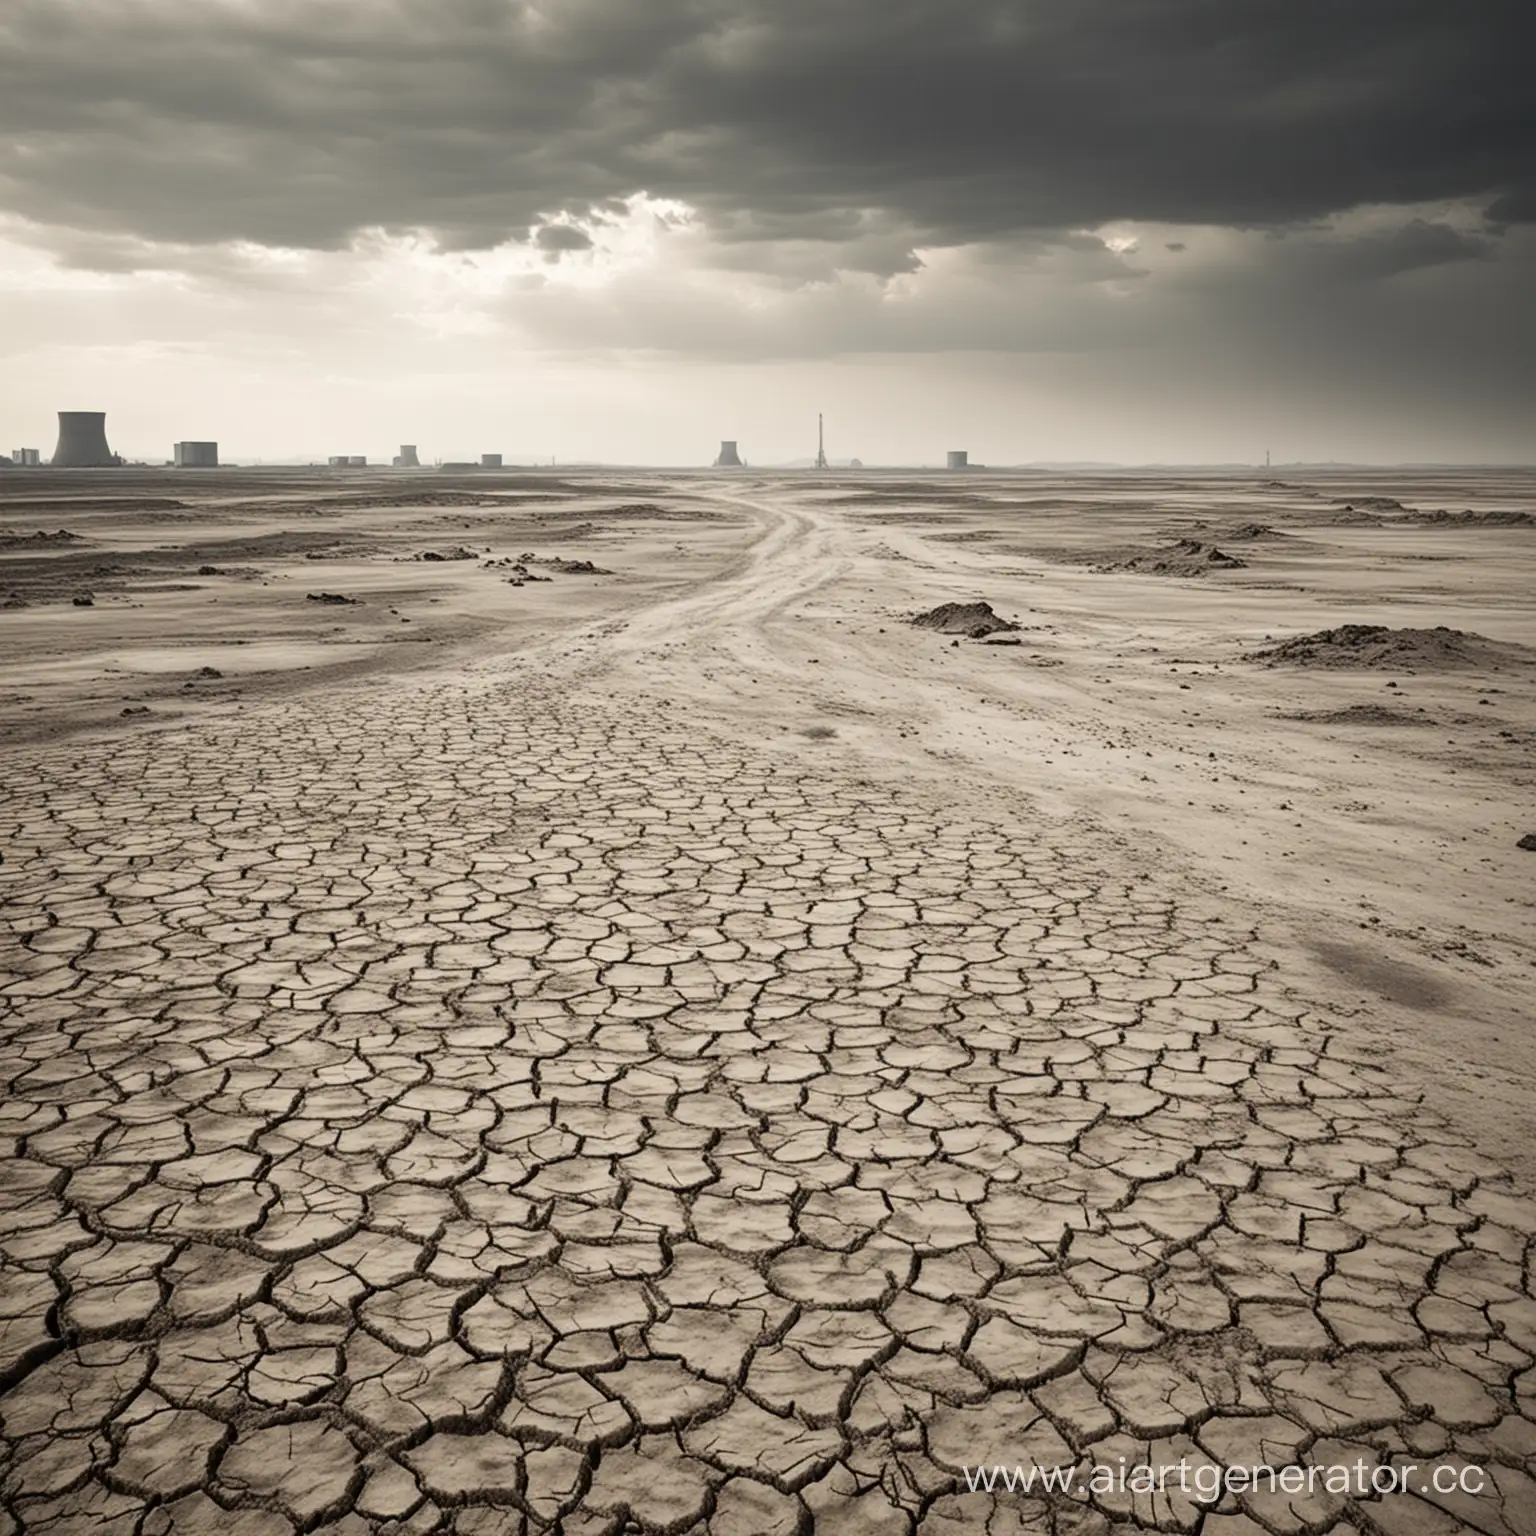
408 458
729 458
958 458
83 441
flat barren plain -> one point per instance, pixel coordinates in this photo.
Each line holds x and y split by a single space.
615 1002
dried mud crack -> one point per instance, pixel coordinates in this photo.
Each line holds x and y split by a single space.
504 1111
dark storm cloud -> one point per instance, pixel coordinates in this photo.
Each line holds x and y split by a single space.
299 122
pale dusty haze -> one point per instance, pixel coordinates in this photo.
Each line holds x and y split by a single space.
588 229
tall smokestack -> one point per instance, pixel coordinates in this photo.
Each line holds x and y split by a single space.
83 441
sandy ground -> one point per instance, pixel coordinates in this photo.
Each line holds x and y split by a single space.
1381 849
1334 848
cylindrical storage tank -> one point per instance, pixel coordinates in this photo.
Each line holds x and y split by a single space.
958 458
83 441
728 455
202 455
490 461
357 460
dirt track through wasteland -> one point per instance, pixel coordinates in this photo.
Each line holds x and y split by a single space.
517 1100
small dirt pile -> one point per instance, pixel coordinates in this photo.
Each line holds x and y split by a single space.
1369 503
39 540
1440 518
459 552
1357 714
1184 557
578 568
1247 532
1375 645
975 621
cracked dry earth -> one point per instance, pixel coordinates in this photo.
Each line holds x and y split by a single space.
500 1109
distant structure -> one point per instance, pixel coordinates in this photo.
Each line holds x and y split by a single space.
490 461
729 458
337 461
406 458
27 458
347 461
821 444
957 458
197 455
83 441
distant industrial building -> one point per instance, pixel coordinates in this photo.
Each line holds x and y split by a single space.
406 458
197 455
490 461
347 461
957 458
28 458
83 441
729 458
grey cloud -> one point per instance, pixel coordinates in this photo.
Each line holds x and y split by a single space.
556 239
1413 246
1366 316
301 122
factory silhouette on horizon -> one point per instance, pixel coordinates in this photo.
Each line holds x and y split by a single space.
82 444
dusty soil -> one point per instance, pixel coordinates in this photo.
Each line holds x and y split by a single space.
1127 701
668 1018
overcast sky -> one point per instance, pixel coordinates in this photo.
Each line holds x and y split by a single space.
1135 230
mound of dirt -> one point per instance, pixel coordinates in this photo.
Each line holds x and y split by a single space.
577 568
975 621
329 597
39 540
458 552
1356 714
1246 532
1369 503
1184 557
1471 519
1375 645
650 509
